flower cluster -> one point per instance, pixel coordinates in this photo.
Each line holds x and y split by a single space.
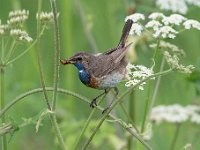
171 53
162 26
14 24
136 74
137 27
166 46
21 35
179 6
175 114
45 17
173 61
18 17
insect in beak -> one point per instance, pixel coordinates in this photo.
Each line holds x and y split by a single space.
65 62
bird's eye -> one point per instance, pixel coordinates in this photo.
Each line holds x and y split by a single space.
79 58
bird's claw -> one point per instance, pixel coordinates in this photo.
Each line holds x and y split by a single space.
93 103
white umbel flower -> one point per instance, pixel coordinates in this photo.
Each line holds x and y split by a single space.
156 15
194 2
20 35
17 17
135 17
169 46
174 19
17 13
173 5
136 74
153 24
188 24
175 114
165 32
136 29
179 6
173 62
172 113
45 17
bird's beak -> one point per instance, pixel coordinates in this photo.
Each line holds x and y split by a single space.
65 62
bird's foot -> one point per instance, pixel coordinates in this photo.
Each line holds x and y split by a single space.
104 111
93 103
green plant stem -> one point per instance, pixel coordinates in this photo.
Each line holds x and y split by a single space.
148 100
57 53
129 118
175 138
157 48
2 51
63 91
86 125
42 80
118 100
145 112
6 128
132 117
87 31
4 140
146 108
26 50
11 50
155 92
52 115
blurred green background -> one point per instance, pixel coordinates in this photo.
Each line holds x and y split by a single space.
105 20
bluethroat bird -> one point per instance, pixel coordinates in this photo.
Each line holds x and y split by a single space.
103 71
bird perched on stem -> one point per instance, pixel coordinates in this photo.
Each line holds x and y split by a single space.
103 71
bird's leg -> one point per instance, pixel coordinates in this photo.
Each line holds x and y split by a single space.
116 93
94 101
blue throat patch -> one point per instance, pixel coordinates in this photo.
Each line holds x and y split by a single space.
84 75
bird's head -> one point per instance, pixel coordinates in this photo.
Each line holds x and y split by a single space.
80 60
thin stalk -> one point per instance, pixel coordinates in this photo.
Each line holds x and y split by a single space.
52 115
149 91
11 50
57 53
157 48
34 91
2 50
5 129
63 91
148 100
87 31
175 138
57 131
131 114
42 80
118 100
157 85
4 140
145 111
129 118
131 106
146 108
26 50
86 125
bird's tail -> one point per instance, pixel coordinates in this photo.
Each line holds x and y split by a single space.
125 33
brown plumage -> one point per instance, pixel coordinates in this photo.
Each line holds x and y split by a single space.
106 70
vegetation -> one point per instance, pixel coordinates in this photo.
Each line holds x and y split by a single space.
43 105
